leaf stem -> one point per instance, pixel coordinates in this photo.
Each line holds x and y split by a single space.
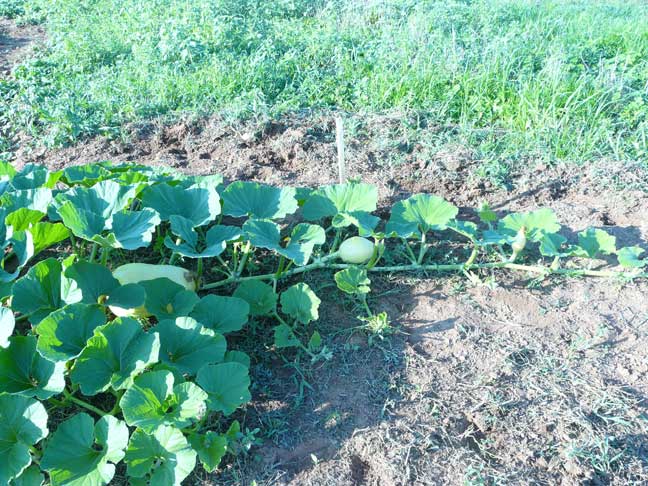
93 252
199 269
280 268
363 299
410 253
77 401
472 257
105 253
175 255
336 240
423 248
36 454
292 329
117 407
244 258
222 262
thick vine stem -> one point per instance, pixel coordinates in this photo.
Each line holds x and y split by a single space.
321 263
415 267
71 398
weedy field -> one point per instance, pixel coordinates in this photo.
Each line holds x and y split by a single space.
490 327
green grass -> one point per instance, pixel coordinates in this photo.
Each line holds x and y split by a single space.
562 80
12 8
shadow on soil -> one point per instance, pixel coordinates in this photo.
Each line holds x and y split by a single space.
307 412
451 396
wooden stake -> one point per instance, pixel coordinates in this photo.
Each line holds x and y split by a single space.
339 139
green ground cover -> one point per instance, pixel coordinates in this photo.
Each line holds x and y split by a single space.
554 80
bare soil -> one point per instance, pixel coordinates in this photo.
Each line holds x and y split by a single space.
499 383
16 43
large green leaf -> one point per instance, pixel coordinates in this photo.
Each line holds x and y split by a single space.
554 245
226 384
303 238
83 223
629 257
129 296
93 280
419 214
596 242
163 458
64 333
34 199
88 211
25 372
243 198
114 355
38 293
214 243
103 199
300 303
186 345
45 235
153 400
284 337
200 205
220 313
353 280
7 325
260 296
130 230
85 175
33 176
211 180
32 476
166 299
82 453
536 224
327 201
364 221
7 170
211 447
238 357
23 423
23 218
22 249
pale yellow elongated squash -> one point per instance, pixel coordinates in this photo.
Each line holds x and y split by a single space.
356 250
141 272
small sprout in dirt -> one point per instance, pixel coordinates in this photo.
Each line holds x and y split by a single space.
377 326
